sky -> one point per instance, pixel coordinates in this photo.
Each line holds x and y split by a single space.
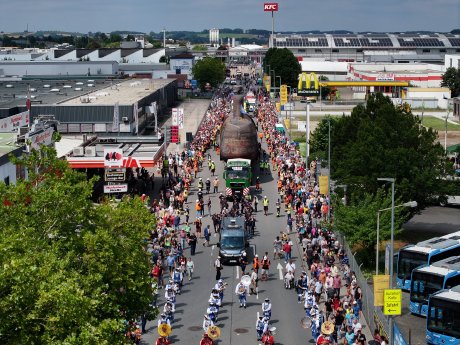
196 15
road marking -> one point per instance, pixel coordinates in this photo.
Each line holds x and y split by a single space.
237 272
280 269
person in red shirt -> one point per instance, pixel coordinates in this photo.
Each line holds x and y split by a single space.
287 248
268 339
206 340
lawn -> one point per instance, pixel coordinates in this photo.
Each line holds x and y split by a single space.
438 124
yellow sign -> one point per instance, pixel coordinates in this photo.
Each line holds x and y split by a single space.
283 94
323 185
381 283
392 299
267 82
305 81
278 107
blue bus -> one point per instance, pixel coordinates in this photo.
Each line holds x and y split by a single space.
443 320
429 279
425 253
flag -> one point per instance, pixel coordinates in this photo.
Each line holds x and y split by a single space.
136 117
116 118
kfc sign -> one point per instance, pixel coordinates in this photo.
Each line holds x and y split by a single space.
271 7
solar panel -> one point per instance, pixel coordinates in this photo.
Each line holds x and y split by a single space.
455 42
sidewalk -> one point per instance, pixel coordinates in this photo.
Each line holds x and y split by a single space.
194 111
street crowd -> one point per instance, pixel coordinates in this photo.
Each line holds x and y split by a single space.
324 284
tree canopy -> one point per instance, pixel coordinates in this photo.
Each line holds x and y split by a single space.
380 139
72 271
209 70
451 79
285 65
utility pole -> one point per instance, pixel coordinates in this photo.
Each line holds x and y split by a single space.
164 39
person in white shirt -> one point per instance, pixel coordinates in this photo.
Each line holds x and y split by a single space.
290 267
267 309
242 291
207 322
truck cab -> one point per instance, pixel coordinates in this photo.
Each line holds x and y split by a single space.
238 175
233 239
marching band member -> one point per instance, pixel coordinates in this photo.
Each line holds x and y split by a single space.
242 291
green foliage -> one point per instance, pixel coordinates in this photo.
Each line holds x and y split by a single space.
381 140
319 139
209 70
358 220
285 65
71 270
451 79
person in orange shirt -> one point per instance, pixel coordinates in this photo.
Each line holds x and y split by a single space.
256 263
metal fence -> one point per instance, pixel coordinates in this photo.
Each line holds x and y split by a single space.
374 316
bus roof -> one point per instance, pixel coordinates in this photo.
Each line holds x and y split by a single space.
436 243
452 294
442 267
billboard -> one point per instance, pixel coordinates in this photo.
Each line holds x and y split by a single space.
40 138
271 7
116 188
306 87
12 123
180 118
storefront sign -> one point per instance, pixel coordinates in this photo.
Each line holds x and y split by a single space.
12 123
116 188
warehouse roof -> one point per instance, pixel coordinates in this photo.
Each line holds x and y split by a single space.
125 93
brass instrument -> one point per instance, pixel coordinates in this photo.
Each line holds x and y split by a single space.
327 328
246 280
164 330
213 332
305 322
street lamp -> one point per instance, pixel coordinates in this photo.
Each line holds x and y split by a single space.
274 81
280 83
307 134
392 180
445 132
329 168
406 204
344 186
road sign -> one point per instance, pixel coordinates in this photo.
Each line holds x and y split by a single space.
381 283
392 299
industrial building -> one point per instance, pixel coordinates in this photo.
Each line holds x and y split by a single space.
371 47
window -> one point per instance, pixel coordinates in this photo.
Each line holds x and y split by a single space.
426 50
359 50
335 50
318 51
301 50
7 180
442 50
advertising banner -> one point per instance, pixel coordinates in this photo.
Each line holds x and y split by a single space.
381 283
12 123
323 185
283 94
116 118
113 157
40 138
116 188
175 116
180 118
136 117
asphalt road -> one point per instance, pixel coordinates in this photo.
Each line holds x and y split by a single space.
237 324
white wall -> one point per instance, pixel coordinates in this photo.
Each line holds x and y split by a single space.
57 68
8 169
452 61
323 66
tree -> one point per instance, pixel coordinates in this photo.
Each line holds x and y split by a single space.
71 271
451 79
115 37
358 220
209 70
285 65
383 140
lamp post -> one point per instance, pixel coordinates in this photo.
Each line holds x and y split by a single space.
274 81
307 134
279 90
392 180
406 204
329 168
445 131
